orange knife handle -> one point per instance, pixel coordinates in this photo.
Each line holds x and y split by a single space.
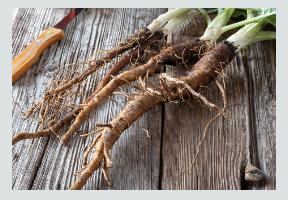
28 57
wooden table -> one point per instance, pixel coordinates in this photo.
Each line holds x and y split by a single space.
162 160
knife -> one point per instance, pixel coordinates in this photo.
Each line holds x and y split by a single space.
28 57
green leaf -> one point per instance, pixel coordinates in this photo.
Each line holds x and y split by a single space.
271 19
238 13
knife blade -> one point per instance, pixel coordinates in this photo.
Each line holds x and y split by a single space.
28 57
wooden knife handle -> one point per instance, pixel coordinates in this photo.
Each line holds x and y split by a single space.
28 57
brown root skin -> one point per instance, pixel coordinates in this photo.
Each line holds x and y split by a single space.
127 44
91 168
132 111
107 90
180 53
203 73
46 132
141 35
172 55
23 136
169 55
127 59
146 101
209 66
194 80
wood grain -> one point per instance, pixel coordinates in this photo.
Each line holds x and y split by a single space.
248 134
50 165
161 161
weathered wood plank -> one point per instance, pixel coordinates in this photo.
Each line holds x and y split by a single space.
249 132
261 67
29 87
50 165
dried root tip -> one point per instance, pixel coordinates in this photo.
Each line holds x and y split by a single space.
253 174
202 140
224 98
37 134
64 139
146 132
107 156
31 110
78 173
142 83
93 165
193 162
42 110
105 172
110 97
90 148
164 84
51 129
72 128
21 108
46 112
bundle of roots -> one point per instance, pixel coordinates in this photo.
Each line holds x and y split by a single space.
169 89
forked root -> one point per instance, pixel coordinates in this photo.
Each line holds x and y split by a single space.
90 149
128 58
132 111
31 110
171 55
105 172
90 169
196 94
108 160
129 43
202 74
106 140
